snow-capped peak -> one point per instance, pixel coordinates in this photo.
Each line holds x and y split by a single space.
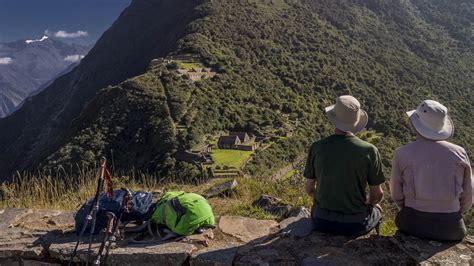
37 40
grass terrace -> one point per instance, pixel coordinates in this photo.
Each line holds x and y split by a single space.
230 158
188 65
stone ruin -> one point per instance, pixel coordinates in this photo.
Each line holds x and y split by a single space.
196 74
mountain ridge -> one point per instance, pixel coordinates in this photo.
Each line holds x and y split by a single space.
273 60
28 64
30 137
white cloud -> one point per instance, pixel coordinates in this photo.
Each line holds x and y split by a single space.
5 60
73 58
37 40
65 34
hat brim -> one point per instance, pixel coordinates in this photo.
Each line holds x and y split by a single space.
445 133
346 127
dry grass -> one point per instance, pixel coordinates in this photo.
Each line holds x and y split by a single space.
63 192
60 190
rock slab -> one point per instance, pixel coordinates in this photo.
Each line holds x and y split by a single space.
246 229
30 237
173 253
220 256
221 189
272 205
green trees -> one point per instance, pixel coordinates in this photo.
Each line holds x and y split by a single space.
279 62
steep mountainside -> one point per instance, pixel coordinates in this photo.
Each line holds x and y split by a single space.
27 64
275 61
145 30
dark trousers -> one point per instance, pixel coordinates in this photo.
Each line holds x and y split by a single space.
345 224
434 226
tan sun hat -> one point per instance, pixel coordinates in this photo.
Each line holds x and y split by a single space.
346 114
431 120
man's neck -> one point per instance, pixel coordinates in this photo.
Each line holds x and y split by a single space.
342 133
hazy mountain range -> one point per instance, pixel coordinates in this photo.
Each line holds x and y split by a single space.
27 65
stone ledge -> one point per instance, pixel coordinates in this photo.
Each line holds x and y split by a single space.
30 238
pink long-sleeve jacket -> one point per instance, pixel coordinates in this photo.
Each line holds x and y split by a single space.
432 176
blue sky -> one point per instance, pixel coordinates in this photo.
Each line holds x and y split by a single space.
81 21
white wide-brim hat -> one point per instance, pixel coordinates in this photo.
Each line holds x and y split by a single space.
431 120
347 115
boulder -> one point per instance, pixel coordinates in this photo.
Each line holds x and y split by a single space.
60 247
216 256
200 239
222 189
246 229
271 205
436 253
296 226
40 219
300 212
323 249
299 223
9 216
62 220
173 253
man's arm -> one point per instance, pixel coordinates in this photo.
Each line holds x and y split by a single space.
309 187
375 195
375 179
309 173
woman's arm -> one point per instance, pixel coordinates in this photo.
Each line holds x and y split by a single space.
396 183
466 196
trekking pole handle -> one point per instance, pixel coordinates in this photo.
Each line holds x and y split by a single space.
127 191
127 203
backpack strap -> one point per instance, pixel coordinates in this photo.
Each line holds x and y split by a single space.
150 232
178 209
169 235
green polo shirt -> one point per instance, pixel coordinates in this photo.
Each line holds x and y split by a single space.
343 166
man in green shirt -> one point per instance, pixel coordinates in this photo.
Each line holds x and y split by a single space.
338 170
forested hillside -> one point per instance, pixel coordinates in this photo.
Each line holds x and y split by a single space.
275 60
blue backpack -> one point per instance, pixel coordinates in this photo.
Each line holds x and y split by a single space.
143 206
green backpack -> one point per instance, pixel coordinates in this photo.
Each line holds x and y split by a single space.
183 213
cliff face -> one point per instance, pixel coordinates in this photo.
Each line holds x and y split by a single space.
278 64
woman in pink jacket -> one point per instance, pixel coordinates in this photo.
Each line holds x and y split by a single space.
431 178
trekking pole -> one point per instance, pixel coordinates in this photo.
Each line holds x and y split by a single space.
111 218
89 216
95 207
126 207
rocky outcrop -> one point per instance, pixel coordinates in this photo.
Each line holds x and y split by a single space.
30 237
271 205
221 189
